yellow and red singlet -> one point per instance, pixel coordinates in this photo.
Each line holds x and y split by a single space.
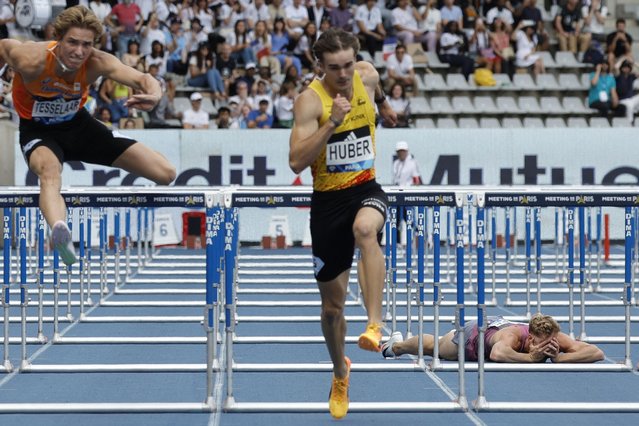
349 157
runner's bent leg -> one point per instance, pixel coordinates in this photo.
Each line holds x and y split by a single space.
143 161
367 224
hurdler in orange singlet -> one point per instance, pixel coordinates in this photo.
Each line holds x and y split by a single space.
50 99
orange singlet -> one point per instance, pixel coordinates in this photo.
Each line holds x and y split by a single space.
49 99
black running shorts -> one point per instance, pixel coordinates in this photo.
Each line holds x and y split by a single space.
83 138
332 217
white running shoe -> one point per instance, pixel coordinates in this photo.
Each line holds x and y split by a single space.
61 238
387 347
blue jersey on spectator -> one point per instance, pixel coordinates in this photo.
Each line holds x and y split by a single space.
252 116
601 91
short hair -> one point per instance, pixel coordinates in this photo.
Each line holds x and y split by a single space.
285 87
77 17
620 21
543 325
334 40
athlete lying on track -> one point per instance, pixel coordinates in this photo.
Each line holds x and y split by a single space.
504 341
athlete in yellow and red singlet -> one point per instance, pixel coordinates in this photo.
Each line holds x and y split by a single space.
334 134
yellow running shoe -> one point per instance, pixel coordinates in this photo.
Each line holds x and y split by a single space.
338 397
369 340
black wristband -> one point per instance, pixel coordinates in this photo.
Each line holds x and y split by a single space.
382 97
335 122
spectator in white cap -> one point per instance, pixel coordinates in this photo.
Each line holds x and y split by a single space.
405 173
250 76
527 56
195 117
405 167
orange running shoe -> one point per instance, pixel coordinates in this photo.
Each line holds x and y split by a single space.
370 339
338 397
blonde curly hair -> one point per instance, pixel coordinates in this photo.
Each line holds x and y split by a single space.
543 325
77 17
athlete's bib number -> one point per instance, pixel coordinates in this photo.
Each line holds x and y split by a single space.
351 155
498 322
55 110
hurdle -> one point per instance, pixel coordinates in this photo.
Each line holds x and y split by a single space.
568 199
84 200
298 197
222 224
462 199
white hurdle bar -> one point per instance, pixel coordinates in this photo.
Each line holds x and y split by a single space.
122 197
415 197
230 200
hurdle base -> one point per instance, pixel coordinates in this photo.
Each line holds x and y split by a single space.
24 365
210 402
42 338
479 403
8 367
229 403
463 402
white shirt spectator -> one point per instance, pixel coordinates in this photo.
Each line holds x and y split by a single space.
254 14
523 57
319 14
224 12
153 34
299 13
236 16
406 173
404 17
594 27
371 18
160 61
146 7
505 14
450 43
431 22
194 39
401 68
196 119
206 19
399 105
284 108
101 9
302 45
164 8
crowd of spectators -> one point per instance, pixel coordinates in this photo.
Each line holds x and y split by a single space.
250 58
